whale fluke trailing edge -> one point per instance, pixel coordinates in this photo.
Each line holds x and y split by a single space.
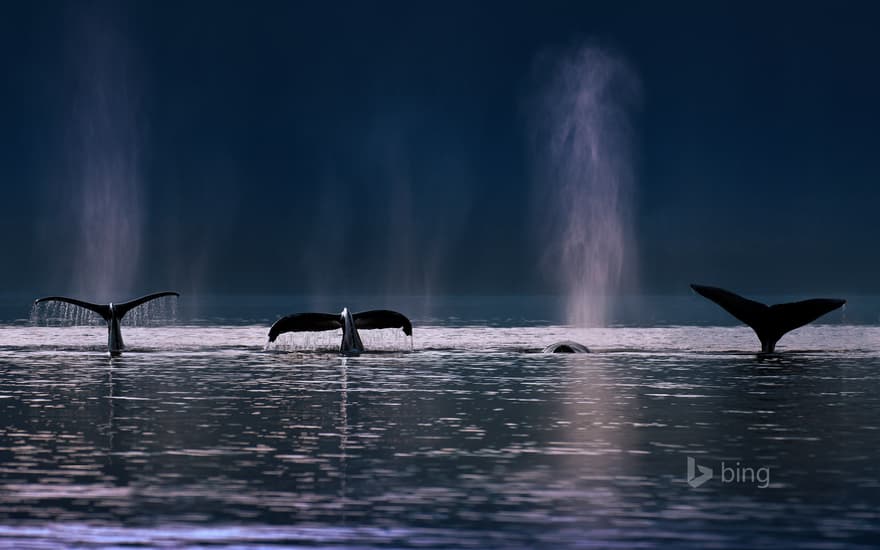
348 322
770 323
112 313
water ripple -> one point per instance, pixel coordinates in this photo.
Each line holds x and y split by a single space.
199 437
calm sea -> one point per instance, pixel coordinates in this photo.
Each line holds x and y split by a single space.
464 437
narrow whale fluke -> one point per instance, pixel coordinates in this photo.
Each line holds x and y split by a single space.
112 313
566 346
348 322
770 323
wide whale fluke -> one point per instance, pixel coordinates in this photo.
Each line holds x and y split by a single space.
112 313
770 323
348 322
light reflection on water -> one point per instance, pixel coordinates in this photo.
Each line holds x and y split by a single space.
198 435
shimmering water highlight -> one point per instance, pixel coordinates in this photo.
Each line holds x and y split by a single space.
197 436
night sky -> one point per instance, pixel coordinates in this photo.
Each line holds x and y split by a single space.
377 147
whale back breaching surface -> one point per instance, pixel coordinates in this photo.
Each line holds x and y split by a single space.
566 346
112 314
770 323
345 320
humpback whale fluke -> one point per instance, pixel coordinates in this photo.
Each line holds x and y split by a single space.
112 313
770 323
566 346
351 340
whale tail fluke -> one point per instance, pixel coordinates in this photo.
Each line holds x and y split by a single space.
111 313
349 323
104 310
305 322
770 323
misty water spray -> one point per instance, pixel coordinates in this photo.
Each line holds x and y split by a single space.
585 177
104 177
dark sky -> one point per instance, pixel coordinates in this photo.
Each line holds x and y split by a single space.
377 147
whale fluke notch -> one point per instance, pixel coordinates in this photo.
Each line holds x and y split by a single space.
770 323
111 313
349 323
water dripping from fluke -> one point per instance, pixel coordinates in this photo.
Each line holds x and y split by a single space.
349 324
64 311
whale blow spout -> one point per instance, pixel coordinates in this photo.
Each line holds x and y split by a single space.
111 313
770 323
348 322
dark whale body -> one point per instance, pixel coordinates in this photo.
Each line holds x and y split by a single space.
566 346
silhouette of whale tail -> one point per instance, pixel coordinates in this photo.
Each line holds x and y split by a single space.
770 323
349 323
112 313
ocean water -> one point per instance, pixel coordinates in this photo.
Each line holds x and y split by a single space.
464 437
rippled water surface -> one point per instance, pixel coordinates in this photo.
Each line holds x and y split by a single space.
200 436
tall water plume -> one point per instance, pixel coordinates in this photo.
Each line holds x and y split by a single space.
104 175
585 177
